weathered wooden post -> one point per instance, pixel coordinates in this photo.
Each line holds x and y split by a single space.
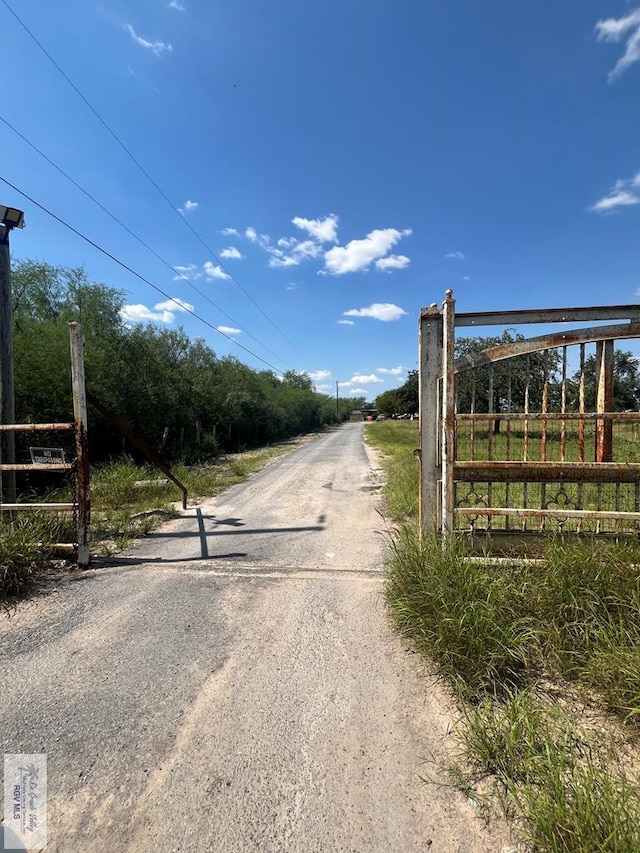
430 365
448 413
604 400
83 496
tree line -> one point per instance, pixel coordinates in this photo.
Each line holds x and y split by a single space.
175 394
513 376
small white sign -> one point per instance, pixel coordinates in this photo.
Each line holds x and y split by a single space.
47 455
25 801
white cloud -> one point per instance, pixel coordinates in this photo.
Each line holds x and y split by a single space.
175 4
298 252
230 232
346 323
623 194
157 47
358 392
466 277
392 262
391 371
212 271
291 286
174 304
384 311
323 388
251 234
319 374
324 230
614 30
359 254
228 330
231 252
188 272
362 379
455 256
187 207
162 312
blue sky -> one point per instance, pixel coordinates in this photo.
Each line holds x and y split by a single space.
346 162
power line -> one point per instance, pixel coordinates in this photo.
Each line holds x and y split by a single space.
132 271
159 189
135 236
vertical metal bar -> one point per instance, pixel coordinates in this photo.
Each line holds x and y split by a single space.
82 444
527 387
604 400
508 454
545 406
563 407
581 409
525 450
430 349
490 441
448 414
472 436
543 428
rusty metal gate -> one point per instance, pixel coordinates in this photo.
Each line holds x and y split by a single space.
80 465
523 439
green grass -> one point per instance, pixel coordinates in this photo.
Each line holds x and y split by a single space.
500 632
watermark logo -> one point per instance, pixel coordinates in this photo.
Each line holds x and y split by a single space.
25 801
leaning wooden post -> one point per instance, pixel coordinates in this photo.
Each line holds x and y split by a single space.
430 364
604 400
83 496
448 414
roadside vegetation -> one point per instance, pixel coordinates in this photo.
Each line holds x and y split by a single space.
544 658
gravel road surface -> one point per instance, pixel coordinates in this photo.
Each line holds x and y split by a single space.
232 684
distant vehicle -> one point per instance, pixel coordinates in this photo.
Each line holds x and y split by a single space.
381 418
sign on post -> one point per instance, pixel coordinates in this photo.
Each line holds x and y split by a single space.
47 455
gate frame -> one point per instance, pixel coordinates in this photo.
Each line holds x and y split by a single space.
82 504
438 466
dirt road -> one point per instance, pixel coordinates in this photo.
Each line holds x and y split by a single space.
232 684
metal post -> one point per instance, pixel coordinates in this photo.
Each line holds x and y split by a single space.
604 400
83 496
448 414
430 359
7 394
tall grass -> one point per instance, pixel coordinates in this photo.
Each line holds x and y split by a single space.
500 630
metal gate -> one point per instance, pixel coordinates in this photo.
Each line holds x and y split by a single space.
80 465
523 439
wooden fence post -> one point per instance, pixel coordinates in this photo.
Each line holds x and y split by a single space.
430 349
83 495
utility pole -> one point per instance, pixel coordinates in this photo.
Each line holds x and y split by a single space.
9 218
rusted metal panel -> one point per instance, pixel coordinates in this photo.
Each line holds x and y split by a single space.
61 507
548 315
549 416
59 466
34 427
448 414
595 515
549 341
547 472
430 366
